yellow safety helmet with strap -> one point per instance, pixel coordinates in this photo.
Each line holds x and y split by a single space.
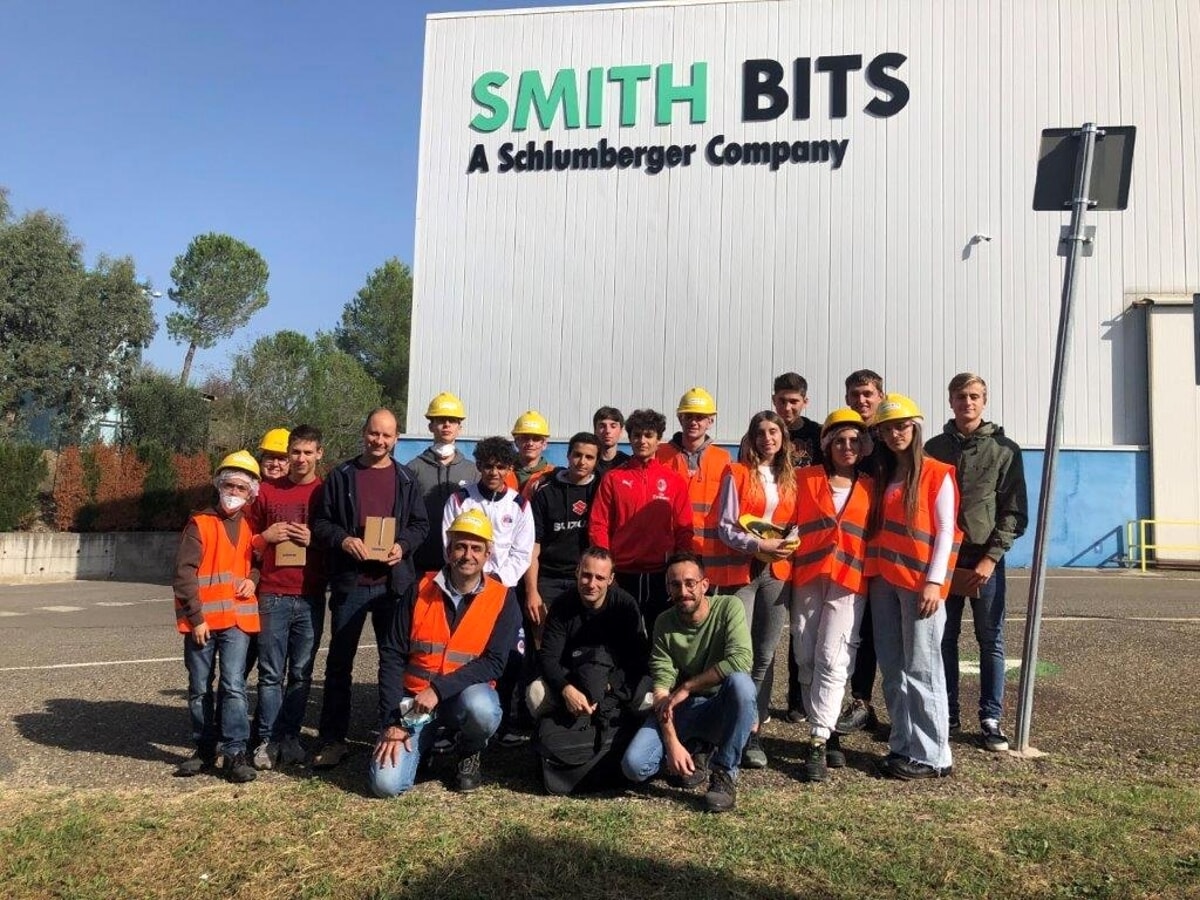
473 522
242 460
276 441
446 406
896 406
697 401
531 422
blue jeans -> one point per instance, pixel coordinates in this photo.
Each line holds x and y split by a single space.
226 650
287 645
474 714
909 650
724 719
987 612
347 614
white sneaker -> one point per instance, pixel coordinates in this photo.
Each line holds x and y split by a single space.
265 756
292 752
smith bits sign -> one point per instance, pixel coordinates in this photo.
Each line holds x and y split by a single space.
575 99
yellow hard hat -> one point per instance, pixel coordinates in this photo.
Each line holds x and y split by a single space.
275 441
241 459
446 406
531 422
896 406
697 401
473 522
766 530
843 416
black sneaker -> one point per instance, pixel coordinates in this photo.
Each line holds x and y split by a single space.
834 757
885 764
753 755
796 716
469 775
908 770
722 793
200 761
814 761
992 738
238 768
857 715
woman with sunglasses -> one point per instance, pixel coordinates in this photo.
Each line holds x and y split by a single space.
828 582
912 542
759 489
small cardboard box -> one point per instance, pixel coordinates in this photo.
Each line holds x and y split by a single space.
379 535
289 553
960 584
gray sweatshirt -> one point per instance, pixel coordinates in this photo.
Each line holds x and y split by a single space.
436 483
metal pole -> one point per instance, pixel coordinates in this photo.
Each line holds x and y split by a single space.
1033 616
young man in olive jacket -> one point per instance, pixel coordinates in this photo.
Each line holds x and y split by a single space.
993 513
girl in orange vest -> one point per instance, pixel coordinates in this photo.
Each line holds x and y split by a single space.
829 581
762 484
913 540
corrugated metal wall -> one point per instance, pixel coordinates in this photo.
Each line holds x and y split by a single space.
566 290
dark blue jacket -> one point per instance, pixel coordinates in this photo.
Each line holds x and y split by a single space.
336 518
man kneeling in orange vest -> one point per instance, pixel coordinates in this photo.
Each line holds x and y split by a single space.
441 665
216 611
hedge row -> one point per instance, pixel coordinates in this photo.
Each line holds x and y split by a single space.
22 469
145 488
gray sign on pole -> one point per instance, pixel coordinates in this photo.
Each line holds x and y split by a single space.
1071 177
1112 168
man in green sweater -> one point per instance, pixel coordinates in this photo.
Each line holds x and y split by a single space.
700 662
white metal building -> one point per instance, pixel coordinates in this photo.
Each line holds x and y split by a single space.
916 253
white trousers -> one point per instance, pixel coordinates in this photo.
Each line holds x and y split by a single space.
825 621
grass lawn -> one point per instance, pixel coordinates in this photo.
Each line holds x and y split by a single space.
1052 827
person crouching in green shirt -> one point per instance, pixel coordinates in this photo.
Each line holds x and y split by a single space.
700 661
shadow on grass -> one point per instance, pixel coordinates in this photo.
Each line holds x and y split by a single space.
524 863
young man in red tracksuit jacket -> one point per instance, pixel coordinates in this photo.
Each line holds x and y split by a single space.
642 515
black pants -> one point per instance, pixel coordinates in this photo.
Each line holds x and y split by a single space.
862 679
650 591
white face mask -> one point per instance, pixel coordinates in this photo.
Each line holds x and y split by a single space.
444 451
231 503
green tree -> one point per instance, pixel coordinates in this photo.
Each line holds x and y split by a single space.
286 379
157 409
375 328
69 336
110 323
220 283
41 270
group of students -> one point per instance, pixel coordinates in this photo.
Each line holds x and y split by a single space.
597 604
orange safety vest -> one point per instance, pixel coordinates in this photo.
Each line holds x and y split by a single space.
901 552
831 544
433 650
222 568
526 489
732 567
704 486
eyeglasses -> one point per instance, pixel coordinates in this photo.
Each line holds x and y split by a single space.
494 467
687 584
897 427
847 442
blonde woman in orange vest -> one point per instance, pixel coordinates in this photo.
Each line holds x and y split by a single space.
828 580
216 611
761 485
912 545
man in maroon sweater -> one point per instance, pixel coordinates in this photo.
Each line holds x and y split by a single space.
291 600
642 515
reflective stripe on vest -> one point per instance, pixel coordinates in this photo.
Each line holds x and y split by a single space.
223 565
731 568
831 544
901 553
433 649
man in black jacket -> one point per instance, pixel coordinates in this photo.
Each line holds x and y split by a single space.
371 484
593 659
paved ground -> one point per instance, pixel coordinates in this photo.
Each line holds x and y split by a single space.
92 679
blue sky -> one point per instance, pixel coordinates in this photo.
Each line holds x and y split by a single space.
291 126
